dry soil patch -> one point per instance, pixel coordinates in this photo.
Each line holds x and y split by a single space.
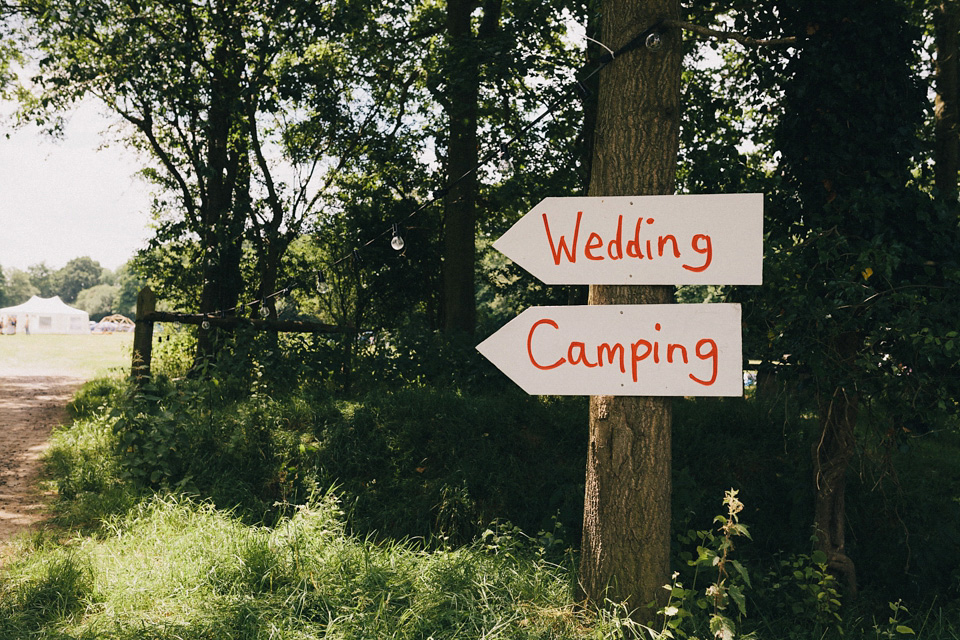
31 403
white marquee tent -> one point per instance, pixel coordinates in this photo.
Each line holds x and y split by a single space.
44 315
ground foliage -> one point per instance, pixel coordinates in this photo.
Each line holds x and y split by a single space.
174 568
165 564
437 459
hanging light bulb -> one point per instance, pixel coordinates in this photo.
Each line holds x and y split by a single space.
396 241
205 325
654 41
322 286
264 311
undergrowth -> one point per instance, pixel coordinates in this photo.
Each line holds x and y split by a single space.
175 568
421 462
196 511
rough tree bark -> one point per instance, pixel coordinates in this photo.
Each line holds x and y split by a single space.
626 529
222 231
946 109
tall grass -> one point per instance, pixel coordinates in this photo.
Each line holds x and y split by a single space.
175 568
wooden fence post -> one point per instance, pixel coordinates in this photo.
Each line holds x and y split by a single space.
143 336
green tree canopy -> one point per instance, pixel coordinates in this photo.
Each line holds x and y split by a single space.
860 274
19 287
220 93
99 300
78 274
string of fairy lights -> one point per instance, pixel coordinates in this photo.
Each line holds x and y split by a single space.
650 37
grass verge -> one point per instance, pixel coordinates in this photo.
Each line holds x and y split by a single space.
175 568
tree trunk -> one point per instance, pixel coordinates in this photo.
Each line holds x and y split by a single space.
459 252
222 237
831 459
626 529
458 297
946 109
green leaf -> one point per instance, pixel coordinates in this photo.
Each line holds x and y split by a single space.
736 594
722 627
905 630
741 570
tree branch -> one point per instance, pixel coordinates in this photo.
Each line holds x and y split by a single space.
273 198
145 125
746 41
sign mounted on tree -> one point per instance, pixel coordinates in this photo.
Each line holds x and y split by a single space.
686 239
622 350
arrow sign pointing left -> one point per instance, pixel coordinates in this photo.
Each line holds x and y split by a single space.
686 239
622 350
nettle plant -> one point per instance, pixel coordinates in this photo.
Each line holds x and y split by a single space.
683 615
798 591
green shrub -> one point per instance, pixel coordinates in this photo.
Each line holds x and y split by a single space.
719 443
906 515
418 462
82 464
96 396
425 462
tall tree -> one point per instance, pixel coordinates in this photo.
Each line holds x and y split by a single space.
493 50
626 528
465 52
43 278
75 276
859 280
4 294
226 96
859 248
9 48
19 287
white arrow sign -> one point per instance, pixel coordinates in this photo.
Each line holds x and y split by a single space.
687 239
623 350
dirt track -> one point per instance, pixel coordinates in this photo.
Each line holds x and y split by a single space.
31 403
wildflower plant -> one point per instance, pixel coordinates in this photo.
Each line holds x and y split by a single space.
683 613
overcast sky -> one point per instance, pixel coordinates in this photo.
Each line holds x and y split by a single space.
63 199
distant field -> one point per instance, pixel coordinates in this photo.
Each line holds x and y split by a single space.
84 356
